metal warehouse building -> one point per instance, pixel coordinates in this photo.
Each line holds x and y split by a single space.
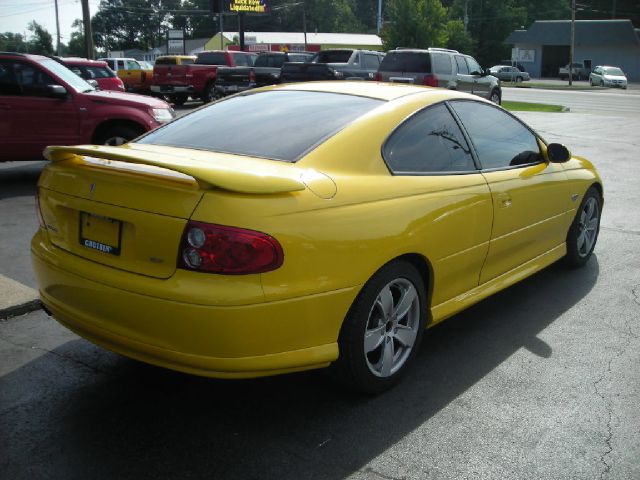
544 47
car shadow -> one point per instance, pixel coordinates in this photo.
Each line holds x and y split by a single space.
104 416
18 179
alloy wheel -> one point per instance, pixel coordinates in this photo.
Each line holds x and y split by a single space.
392 327
588 227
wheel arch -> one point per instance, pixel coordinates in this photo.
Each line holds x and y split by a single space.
116 122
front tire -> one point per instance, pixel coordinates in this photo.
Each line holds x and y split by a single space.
495 96
117 135
383 329
583 233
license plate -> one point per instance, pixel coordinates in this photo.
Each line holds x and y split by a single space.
100 233
232 88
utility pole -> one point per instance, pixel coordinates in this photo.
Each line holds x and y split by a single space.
88 35
613 10
573 40
379 22
304 25
466 14
57 30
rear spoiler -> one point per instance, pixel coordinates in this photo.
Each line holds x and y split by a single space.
243 175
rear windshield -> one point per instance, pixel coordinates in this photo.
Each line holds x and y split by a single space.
212 58
166 61
418 62
299 57
279 125
333 56
274 61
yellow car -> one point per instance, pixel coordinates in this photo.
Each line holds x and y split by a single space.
305 226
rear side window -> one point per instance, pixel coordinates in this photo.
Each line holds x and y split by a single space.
186 61
419 62
242 60
100 72
371 62
441 63
275 61
279 125
462 66
500 140
429 142
211 58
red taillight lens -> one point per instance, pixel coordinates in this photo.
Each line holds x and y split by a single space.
228 250
39 211
430 80
378 77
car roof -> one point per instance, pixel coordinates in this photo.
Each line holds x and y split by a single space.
82 61
379 90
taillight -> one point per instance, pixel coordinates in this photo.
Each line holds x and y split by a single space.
39 211
430 80
228 250
378 77
252 75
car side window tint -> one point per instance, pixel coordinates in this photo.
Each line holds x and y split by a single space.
499 139
8 83
240 60
428 142
32 81
474 67
131 65
462 66
441 63
371 62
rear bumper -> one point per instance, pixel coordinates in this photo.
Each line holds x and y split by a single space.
227 342
169 89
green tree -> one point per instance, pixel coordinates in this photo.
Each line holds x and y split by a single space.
415 23
76 41
41 41
458 38
13 42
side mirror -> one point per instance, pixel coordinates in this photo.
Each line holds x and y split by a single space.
558 153
57 91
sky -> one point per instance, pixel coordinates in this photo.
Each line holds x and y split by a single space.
15 15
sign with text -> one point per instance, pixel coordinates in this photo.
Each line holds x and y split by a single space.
175 42
251 6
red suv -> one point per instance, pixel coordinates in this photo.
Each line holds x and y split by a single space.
43 103
96 70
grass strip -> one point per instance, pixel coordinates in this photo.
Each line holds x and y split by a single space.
531 107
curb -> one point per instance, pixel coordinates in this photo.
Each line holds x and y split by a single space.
21 309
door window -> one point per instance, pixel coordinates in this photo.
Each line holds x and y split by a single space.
428 142
441 63
474 67
18 78
462 66
132 65
499 139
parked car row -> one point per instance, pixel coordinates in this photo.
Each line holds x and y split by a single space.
44 103
434 67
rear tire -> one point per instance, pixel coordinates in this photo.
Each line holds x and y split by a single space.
383 329
211 94
583 233
179 100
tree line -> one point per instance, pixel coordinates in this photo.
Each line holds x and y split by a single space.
477 27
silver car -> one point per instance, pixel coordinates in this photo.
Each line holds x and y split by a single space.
439 67
507 73
605 76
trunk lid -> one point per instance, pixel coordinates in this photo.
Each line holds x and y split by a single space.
127 207
172 74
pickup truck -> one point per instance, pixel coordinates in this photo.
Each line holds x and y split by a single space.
266 71
336 64
579 72
178 82
135 76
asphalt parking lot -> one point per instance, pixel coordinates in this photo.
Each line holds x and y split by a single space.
541 381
